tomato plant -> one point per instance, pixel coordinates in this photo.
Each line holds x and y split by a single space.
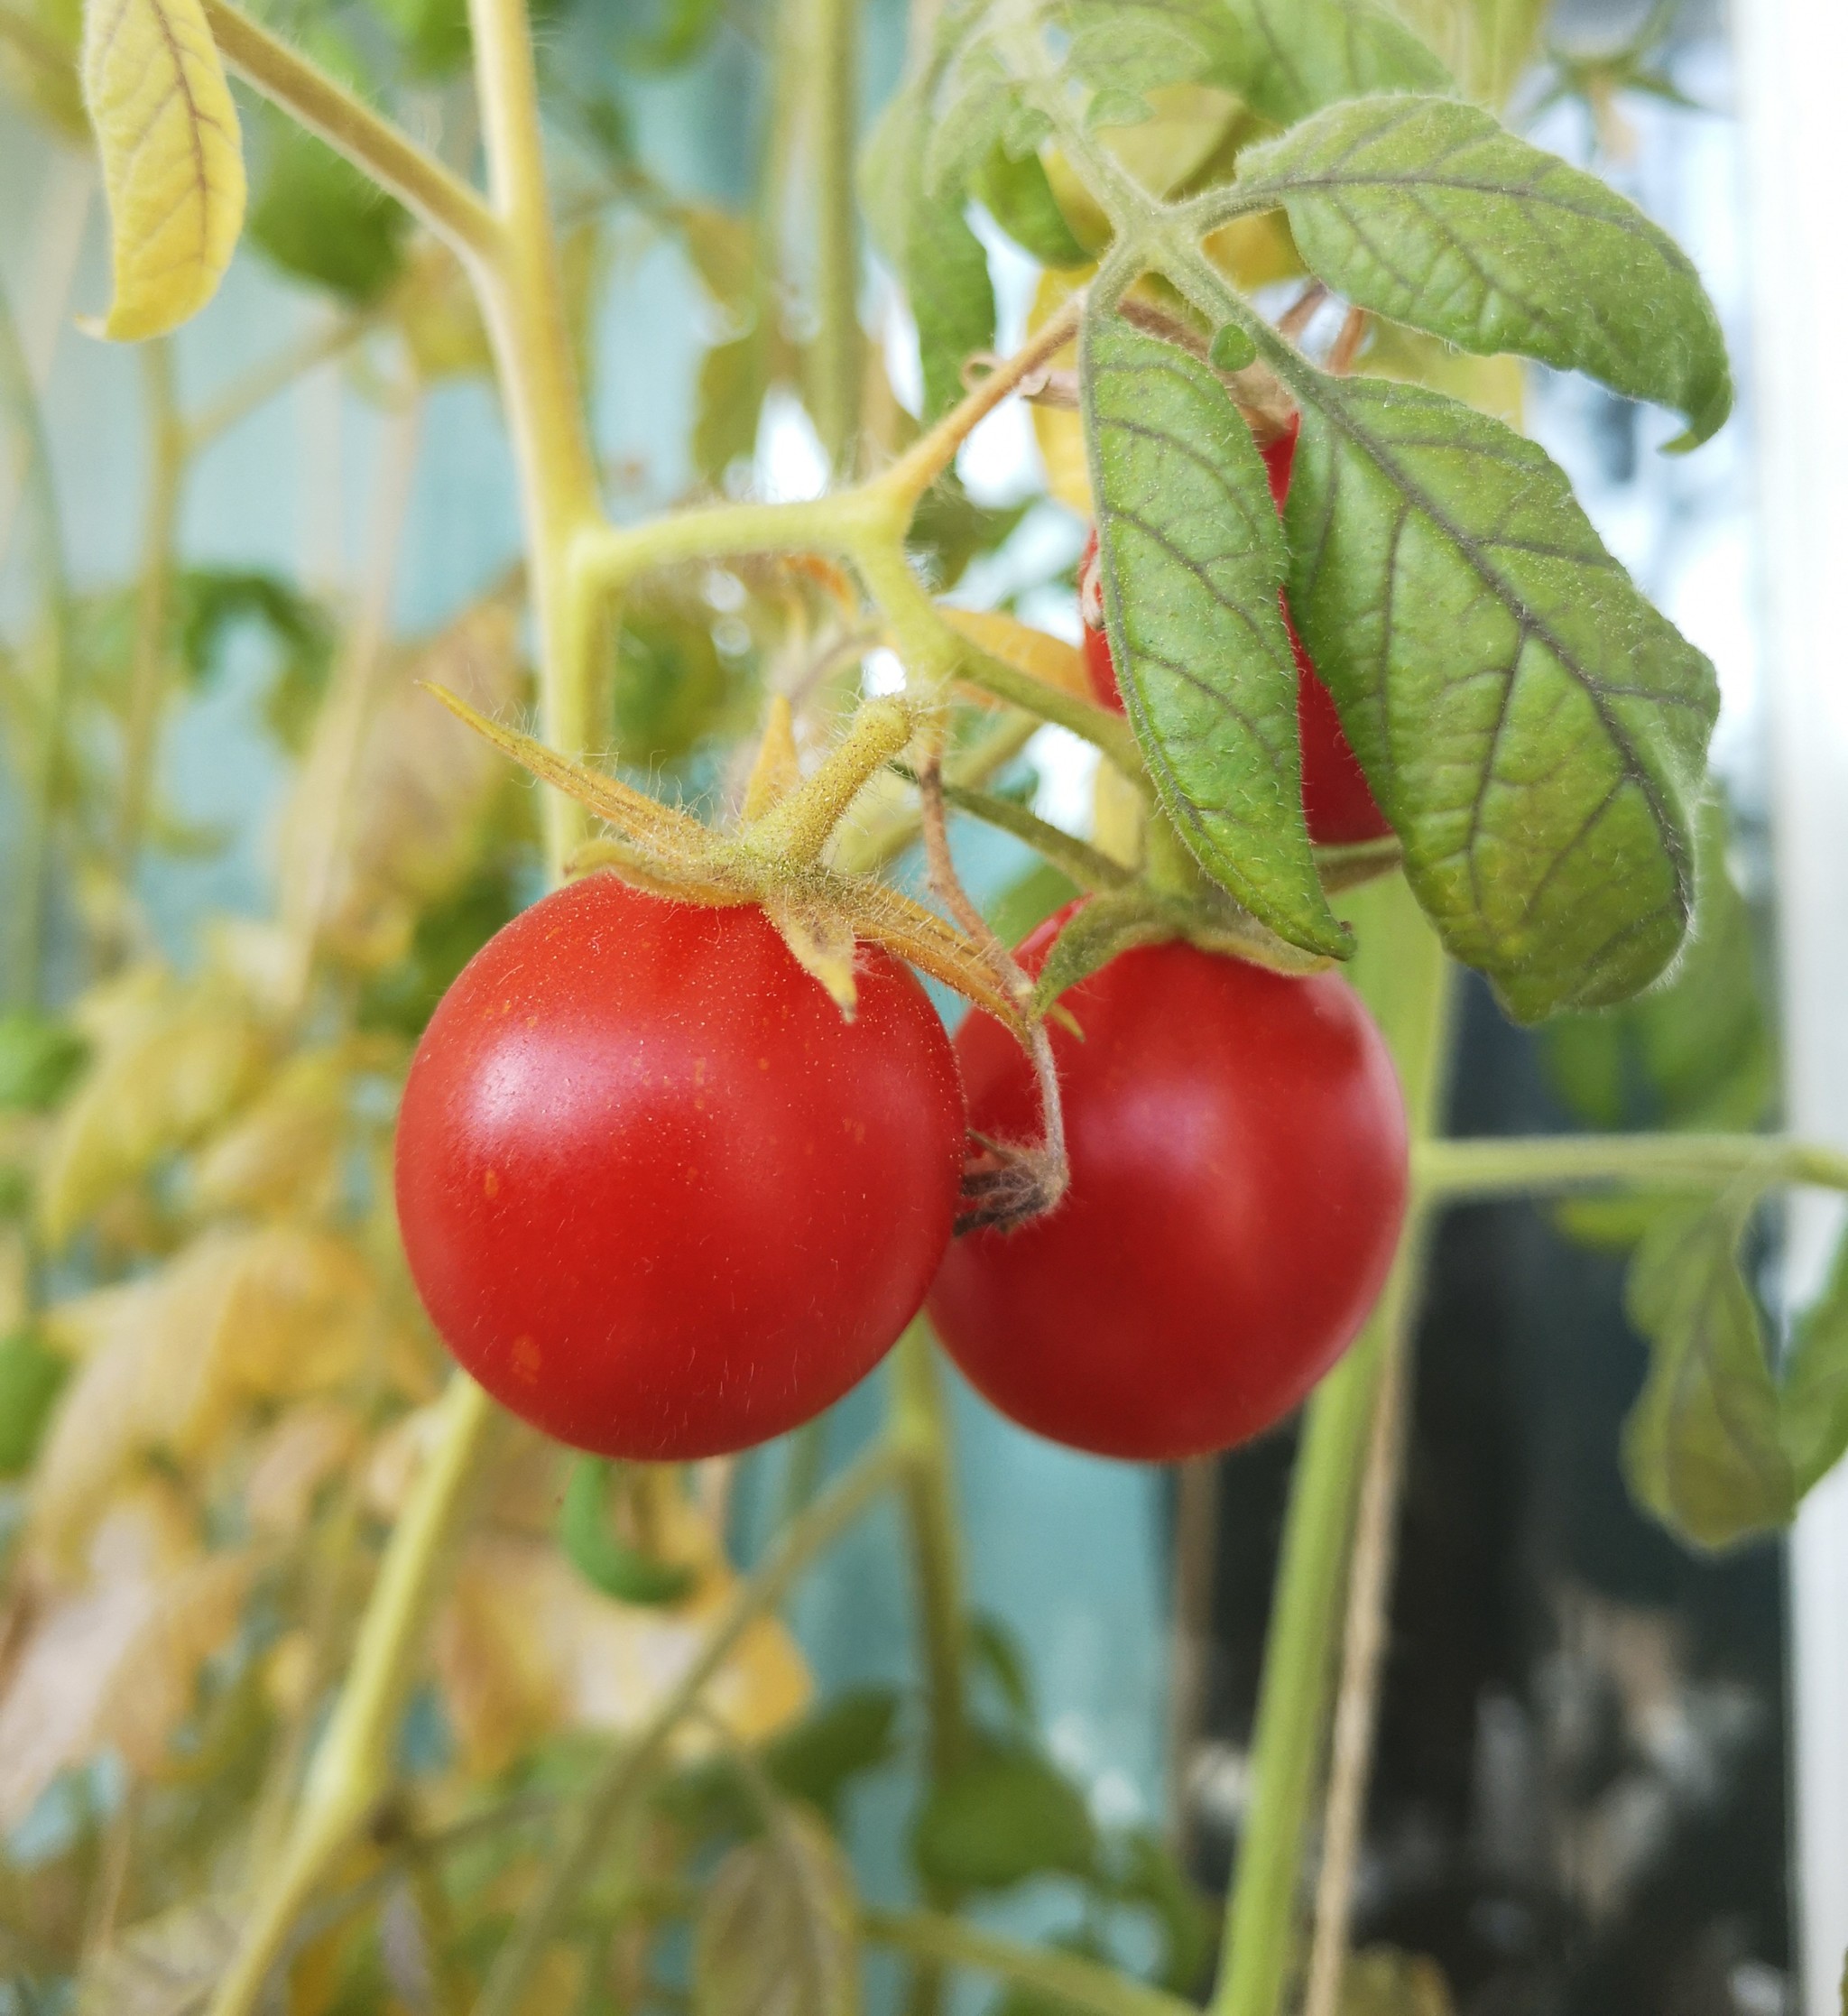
325 1677
1237 1145
660 1198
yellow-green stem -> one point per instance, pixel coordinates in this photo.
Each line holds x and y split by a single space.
148 666
353 1762
832 51
1458 1171
523 303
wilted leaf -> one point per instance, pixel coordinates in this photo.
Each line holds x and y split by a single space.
1534 730
1192 562
173 158
168 1060
422 799
163 1966
1035 652
115 1659
1429 212
310 1443
1702 1448
526 1646
281 1153
1004 1816
776 1933
171 1360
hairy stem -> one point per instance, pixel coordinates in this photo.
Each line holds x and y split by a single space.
1458 1171
625 1774
1059 1977
352 1766
377 148
832 50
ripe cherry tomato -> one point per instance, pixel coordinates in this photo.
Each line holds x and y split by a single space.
658 1196
1337 805
1238 1178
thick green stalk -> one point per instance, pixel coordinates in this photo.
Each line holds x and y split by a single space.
353 1762
628 1771
1400 971
919 1425
1456 1171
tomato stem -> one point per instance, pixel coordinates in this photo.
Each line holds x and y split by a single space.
1461 1171
1064 1979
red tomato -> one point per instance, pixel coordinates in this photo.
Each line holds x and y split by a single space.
657 1195
1337 805
1238 1178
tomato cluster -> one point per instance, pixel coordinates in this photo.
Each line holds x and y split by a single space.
1337 805
664 1202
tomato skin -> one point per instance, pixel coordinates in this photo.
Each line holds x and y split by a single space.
1338 807
1238 1181
657 1195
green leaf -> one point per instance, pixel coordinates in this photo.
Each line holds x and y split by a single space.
1430 212
316 217
734 377
41 1057
1139 45
918 222
433 33
1697 1052
210 602
994 1650
951 528
818 1757
1814 1396
30 1378
1703 1448
1296 56
1004 1816
1115 921
1027 903
1142 1871
1019 197
592 1547
1534 730
672 687
1192 560
777 1930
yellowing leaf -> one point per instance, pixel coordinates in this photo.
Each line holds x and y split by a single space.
163 1966
173 158
420 803
173 1359
1037 652
777 1931
114 1659
281 1152
526 1645
1058 430
309 1444
170 1061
